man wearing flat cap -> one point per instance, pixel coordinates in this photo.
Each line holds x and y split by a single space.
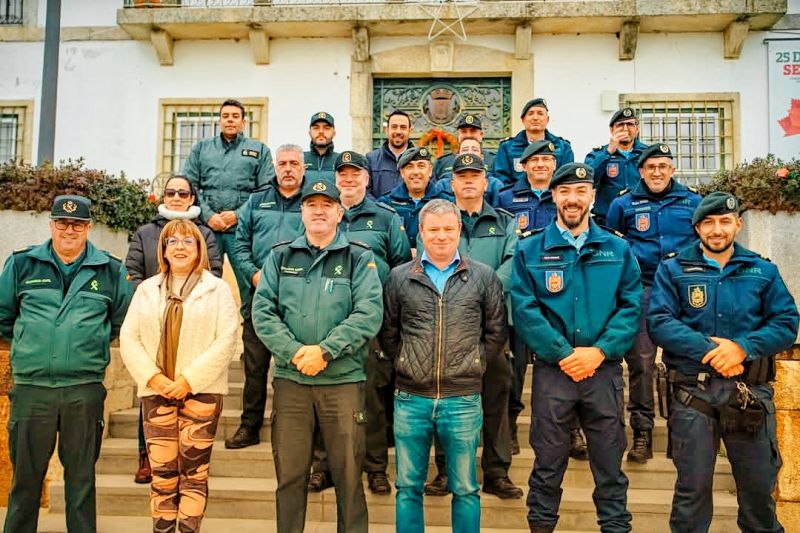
316 306
535 118
469 127
320 158
616 164
656 219
416 190
575 297
62 302
721 314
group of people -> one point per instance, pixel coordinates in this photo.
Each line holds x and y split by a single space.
401 300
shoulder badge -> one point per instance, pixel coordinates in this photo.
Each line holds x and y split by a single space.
281 243
623 192
386 206
21 250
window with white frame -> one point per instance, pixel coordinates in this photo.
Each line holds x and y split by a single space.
15 131
184 122
700 128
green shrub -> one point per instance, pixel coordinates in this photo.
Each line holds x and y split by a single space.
767 184
116 202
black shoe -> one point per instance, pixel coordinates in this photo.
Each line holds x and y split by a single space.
242 439
437 487
143 474
577 445
503 488
642 447
378 483
319 481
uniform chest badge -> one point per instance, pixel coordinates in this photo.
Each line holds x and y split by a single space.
370 224
643 221
698 296
522 220
612 170
554 280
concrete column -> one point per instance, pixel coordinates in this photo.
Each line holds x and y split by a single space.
361 92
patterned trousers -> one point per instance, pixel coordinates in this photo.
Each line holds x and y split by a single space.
179 437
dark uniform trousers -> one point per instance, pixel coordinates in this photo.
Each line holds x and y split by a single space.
519 365
641 360
754 461
496 457
256 366
38 414
226 240
598 402
339 412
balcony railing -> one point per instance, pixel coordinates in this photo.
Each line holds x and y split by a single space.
10 11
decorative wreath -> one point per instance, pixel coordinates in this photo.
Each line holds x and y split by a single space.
440 136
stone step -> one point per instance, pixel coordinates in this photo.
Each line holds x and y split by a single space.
247 498
119 456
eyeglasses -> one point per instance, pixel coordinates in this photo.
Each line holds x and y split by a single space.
180 193
187 242
631 124
663 168
76 225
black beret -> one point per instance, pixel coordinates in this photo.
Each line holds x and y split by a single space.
469 121
572 173
623 114
543 147
322 187
654 150
417 153
350 159
71 206
322 116
716 203
536 102
468 162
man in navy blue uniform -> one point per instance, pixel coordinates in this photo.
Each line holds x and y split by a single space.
469 127
656 219
382 162
722 313
616 163
535 117
575 296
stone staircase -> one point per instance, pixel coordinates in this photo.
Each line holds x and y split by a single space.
242 484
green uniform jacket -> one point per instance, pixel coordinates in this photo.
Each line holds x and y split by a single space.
333 299
490 238
59 340
378 226
225 174
320 166
265 219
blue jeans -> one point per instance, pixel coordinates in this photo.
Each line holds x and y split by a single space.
457 422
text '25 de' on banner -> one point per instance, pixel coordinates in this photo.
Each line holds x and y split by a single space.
784 97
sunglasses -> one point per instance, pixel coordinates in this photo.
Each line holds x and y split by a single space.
76 226
180 193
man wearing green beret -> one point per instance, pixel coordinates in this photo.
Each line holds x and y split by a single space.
320 158
61 304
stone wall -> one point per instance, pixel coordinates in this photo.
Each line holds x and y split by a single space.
787 413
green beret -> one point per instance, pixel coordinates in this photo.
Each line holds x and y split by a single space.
468 162
543 147
625 113
350 159
469 121
323 117
417 153
654 150
536 102
716 203
322 187
572 173
72 206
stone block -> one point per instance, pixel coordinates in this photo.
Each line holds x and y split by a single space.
788 423
5 461
787 385
789 515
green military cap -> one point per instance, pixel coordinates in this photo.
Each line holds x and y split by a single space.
469 121
468 162
572 173
417 153
543 147
71 206
536 102
350 159
716 203
626 113
654 150
323 117
321 187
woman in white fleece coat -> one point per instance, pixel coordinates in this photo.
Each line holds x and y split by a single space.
177 341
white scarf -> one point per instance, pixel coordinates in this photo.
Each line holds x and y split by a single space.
169 214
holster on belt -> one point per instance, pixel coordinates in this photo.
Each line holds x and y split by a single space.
743 416
664 389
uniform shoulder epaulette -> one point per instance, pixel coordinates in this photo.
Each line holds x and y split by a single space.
530 232
623 192
504 212
21 250
693 189
597 148
612 230
504 140
281 243
386 206
361 244
112 256
671 255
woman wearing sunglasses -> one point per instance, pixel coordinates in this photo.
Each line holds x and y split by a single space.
179 202
177 341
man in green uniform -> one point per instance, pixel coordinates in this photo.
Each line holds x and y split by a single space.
320 158
225 169
61 304
317 304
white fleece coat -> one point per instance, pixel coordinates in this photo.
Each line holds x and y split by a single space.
208 336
